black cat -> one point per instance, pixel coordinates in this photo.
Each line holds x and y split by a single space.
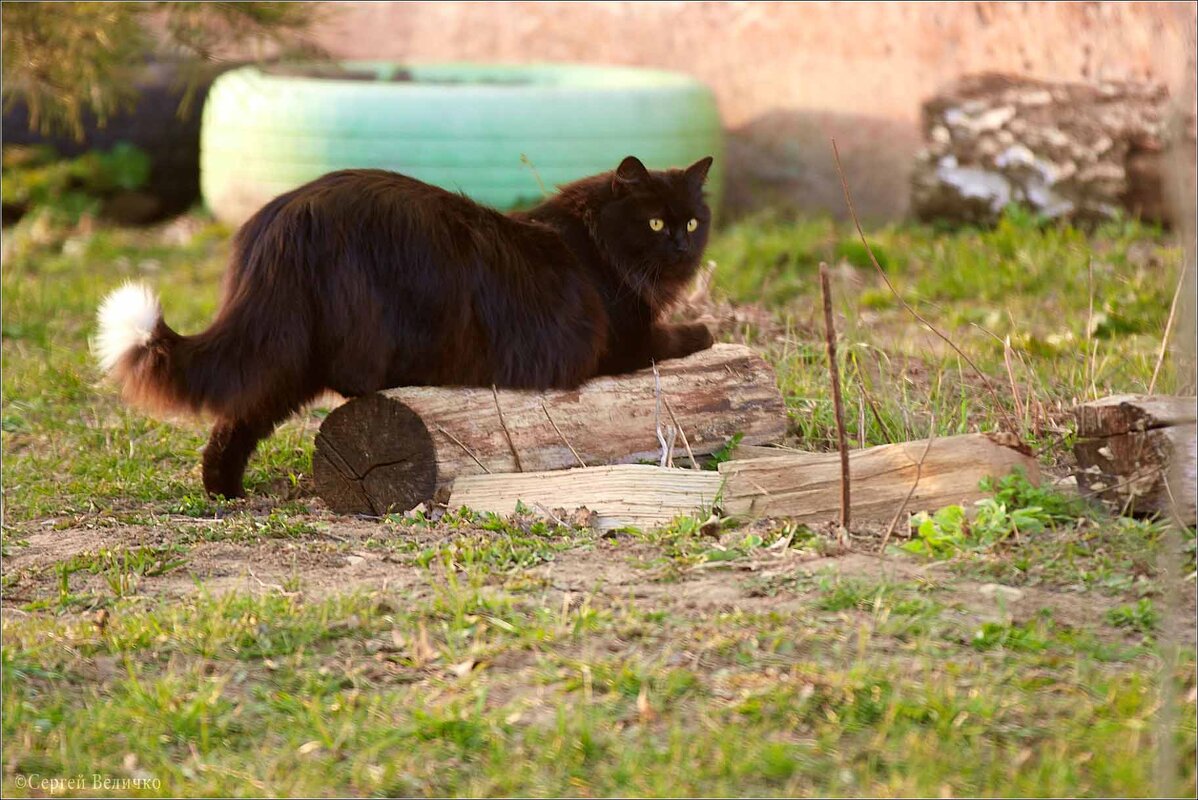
365 279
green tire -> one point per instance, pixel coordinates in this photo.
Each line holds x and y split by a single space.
496 133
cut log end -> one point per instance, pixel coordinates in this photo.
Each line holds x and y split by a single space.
374 456
1136 452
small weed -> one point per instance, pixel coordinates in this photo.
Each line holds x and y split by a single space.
1141 617
1015 491
1012 512
724 453
1028 637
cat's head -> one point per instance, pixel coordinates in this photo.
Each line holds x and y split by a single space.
655 226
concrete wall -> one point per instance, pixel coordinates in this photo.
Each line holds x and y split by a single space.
789 76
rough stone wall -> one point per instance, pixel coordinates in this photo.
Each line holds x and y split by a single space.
788 76
1081 151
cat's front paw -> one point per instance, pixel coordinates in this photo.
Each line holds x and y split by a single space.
702 337
691 338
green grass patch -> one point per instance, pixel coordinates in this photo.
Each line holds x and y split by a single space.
520 656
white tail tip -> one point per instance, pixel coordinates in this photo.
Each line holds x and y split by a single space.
127 319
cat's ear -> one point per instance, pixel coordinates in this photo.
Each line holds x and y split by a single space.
697 173
630 172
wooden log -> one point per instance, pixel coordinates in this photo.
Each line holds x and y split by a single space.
805 487
1125 447
391 450
801 486
1082 152
636 495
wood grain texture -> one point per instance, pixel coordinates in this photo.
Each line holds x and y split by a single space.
1125 413
637 495
1126 447
396 448
805 487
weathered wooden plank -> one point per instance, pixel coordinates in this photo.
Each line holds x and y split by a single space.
805 487
800 486
638 495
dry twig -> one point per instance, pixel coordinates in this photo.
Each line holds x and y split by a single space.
1160 357
1091 345
667 449
506 432
673 419
560 435
914 486
465 449
874 260
837 401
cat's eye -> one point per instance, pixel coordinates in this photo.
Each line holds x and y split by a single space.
656 224
692 226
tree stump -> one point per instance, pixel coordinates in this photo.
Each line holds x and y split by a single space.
1125 447
1069 151
391 450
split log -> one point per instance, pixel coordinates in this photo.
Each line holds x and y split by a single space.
805 487
1125 447
636 495
1072 151
392 450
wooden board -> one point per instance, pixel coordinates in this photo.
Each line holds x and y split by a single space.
801 486
805 487
637 495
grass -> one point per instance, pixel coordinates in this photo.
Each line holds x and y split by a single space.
1020 282
186 646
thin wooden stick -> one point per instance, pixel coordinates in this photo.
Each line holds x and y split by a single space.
666 449
560 435
837 402
465 449
1160 358
1006 357
1091 346
690 453
506 432
914 486
848 198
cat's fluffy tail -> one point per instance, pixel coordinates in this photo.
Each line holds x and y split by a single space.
127 317
239 368
137 350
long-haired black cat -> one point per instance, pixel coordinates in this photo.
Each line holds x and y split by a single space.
365 279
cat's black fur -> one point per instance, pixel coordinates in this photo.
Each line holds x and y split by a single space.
366 279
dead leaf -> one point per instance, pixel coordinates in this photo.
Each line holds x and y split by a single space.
782 543
308 747
643 709
464 668
580 517
422 649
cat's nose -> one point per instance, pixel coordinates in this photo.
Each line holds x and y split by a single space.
680 244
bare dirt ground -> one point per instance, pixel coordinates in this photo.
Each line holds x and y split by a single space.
343 555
